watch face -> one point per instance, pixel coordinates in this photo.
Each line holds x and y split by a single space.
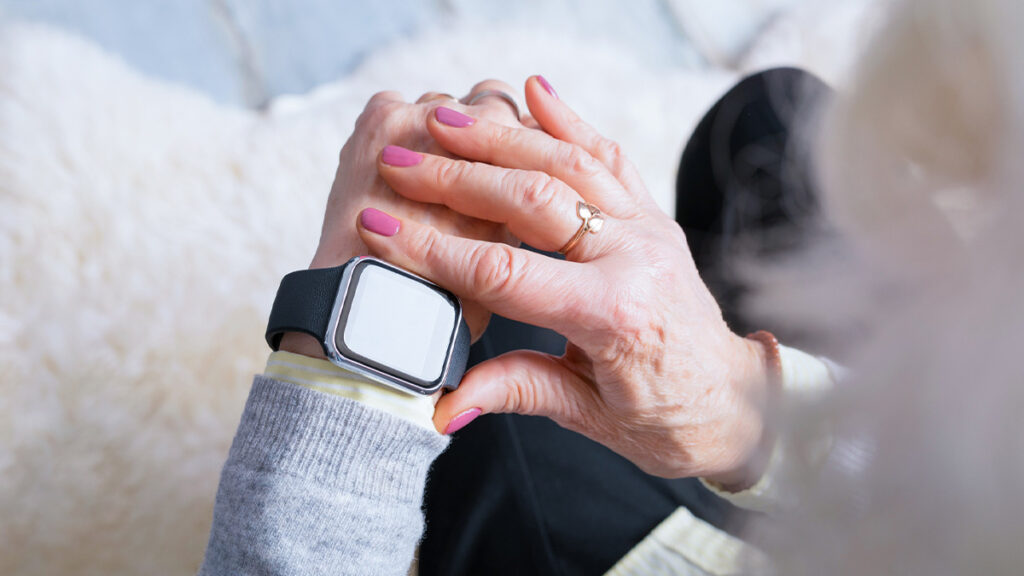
397 323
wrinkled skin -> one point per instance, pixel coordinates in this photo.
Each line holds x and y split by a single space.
388 119
651 369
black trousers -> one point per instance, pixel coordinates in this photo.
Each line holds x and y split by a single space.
520 495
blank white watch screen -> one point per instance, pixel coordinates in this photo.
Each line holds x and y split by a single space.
398 323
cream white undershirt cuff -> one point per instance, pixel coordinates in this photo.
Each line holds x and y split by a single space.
325 377
803 378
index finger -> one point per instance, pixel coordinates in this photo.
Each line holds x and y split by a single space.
513 282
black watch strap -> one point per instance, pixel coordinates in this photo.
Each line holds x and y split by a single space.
304 303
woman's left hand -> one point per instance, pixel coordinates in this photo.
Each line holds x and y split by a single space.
388 119
651 369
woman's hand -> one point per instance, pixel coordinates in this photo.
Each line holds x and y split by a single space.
651 370
387 119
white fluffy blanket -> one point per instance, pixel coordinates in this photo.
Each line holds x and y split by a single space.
143 230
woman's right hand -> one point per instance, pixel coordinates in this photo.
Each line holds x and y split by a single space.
651 369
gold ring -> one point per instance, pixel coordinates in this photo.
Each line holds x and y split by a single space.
503 95
593 221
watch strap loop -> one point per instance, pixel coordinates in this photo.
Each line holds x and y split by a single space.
303 304
460 356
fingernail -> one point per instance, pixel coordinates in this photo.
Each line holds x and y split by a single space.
453 118
379 222
401 157
460 421
547 86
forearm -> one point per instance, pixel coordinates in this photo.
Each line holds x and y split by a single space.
319 484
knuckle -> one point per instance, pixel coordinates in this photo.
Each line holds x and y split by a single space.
426 97
449 173
481 85
623 314
496 270
502 138
491 84
526 393
540 191
378 98
423 244
377 115
520 397
637 335
610 150
578 160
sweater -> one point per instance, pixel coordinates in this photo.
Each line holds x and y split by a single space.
326 476
317 483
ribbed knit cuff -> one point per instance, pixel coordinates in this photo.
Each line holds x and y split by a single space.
334 441
325 377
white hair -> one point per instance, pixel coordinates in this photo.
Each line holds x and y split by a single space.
922 168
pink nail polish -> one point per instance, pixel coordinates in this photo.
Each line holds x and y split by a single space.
453 118
460 421
401 157
547 86
379 222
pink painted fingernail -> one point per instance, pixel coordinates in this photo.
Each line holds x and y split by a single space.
460 421
379 222
401 157
547 86
453 118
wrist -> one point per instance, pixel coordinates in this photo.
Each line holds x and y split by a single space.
757 375
304 344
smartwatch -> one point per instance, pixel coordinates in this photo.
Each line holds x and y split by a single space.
377 321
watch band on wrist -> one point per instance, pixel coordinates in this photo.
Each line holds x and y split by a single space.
310 301
308 297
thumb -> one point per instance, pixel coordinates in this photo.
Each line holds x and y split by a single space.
521 382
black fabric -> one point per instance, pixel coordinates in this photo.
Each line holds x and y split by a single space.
303 304
520 495
745 185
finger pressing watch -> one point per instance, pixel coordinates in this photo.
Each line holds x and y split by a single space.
377 321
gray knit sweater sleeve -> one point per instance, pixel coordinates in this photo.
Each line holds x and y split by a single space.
319 484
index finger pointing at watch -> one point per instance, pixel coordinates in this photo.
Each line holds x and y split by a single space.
513 282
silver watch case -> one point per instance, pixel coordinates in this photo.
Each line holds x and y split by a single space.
370 373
